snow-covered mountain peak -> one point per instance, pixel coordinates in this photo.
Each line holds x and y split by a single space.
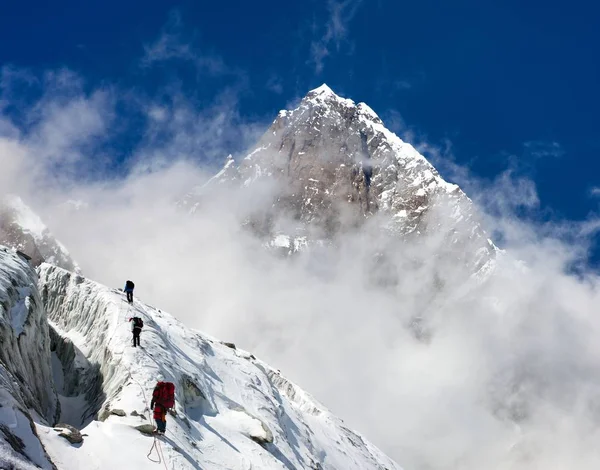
336 164
322 90
325 97
21 228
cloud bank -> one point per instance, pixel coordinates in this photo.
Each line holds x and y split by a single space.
507 375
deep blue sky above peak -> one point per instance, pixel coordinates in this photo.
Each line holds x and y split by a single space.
508 83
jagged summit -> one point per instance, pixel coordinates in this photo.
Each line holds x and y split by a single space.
336 164
321 90
324 95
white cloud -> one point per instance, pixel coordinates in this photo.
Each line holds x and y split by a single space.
335 32
394 121
543 149
177 129
275 84
172 44
58 131
341 13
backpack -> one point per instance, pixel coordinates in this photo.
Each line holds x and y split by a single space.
138 322
164 394
129 285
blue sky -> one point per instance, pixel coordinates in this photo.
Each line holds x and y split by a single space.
503 85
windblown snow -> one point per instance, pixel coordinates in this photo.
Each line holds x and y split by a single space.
22 229
232 410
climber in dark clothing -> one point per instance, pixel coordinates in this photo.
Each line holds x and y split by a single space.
136 329
129 291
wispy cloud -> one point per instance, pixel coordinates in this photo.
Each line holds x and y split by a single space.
340 14
173 44
275 84
543 149
402 85
176 129
395 122
57 120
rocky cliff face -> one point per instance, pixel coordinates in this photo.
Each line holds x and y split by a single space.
22 229
335 166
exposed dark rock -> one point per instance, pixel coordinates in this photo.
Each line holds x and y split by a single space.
139 415
145 429
262 440
69 432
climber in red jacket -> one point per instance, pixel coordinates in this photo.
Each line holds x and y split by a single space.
163 399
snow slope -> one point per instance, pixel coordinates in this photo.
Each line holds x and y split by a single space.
232 410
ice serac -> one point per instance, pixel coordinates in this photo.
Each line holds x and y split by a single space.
337 165
26 382
233 411
22 229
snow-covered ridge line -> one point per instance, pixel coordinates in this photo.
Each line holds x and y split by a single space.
232 410
324 96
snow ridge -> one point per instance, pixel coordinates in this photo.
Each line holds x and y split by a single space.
232 410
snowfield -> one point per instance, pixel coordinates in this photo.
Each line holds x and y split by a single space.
232 410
